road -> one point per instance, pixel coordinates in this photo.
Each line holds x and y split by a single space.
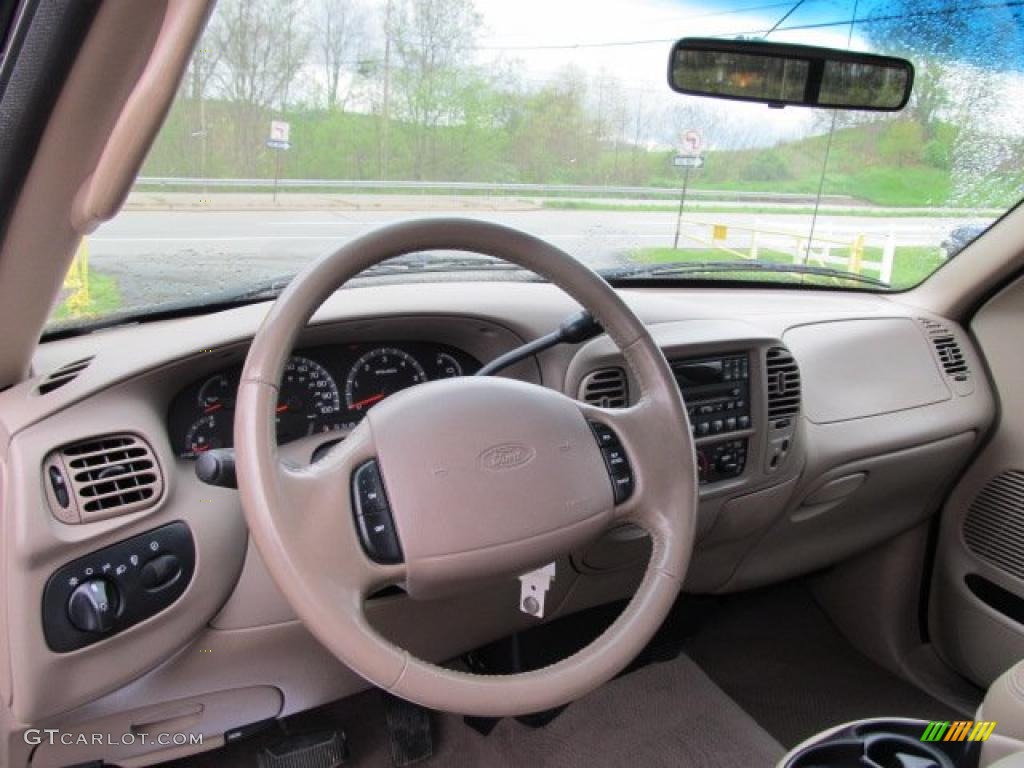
172 255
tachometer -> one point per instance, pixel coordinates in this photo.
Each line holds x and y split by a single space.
379 373
308 396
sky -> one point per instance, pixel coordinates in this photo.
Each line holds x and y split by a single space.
521 31
631 40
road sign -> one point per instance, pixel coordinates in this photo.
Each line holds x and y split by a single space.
693 142
279 130
688 161
275 144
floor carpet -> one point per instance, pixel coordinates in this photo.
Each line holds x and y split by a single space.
666 714
777 654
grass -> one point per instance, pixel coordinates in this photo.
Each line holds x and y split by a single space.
911 265
104 298
691 207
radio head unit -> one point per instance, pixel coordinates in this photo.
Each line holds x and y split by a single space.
716 391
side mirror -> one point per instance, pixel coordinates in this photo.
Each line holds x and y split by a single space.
782 75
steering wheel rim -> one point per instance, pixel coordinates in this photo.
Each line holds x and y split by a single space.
301 519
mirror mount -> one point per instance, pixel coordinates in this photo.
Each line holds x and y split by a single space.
781 75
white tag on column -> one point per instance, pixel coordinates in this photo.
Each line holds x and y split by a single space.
534 587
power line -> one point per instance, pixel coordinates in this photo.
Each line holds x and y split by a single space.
866 20
787 14
689 17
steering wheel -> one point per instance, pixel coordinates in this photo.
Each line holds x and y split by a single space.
483 477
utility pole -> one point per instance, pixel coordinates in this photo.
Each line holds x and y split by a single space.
386 105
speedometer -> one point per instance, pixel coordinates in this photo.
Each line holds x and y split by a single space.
308 396
379 373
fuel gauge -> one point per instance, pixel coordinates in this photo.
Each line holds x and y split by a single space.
447 366
210 431
216 394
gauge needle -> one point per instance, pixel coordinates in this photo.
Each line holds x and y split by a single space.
213 408
368 400
281 408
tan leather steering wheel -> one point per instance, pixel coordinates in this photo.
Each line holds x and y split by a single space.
460 515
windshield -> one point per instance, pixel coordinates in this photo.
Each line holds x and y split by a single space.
301 124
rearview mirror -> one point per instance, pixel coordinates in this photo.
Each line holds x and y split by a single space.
783 75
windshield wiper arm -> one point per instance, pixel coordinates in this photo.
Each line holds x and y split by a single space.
681 268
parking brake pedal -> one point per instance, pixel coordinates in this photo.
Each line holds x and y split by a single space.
409 731
323 749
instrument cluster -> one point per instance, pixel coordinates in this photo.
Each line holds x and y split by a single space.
323 389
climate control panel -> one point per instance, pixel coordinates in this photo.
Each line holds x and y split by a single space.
721 461
111 589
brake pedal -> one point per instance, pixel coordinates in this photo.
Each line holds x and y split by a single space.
323 749
409 731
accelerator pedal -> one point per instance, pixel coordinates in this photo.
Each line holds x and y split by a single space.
409 731
322 749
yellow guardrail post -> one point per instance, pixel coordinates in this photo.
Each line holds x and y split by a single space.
77 280
856 254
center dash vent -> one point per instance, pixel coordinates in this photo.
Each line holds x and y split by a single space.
949 354
63 375
783 376
107 476
994 526
606 388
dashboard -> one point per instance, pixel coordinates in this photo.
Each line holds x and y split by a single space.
823 425
324 389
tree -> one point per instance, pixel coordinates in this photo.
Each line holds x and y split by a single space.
432 42
262 47
339 39
902 142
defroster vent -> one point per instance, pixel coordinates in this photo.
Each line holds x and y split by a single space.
63 375
949 354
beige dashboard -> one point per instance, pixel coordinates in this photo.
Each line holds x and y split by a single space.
889 406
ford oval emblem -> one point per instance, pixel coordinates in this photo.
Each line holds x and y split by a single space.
506 456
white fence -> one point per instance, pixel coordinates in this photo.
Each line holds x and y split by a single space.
752 241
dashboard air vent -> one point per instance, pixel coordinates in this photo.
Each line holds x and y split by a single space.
994 526
948 351
606 388
63 375
110 475
783 377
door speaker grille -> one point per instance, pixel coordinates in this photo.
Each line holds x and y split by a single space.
994 526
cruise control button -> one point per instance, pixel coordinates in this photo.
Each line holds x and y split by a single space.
372 515
616 459
623 485
377 534
605 436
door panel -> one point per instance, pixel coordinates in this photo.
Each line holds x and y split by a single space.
977 601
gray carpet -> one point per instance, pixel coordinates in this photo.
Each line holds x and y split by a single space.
780 657
666 714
